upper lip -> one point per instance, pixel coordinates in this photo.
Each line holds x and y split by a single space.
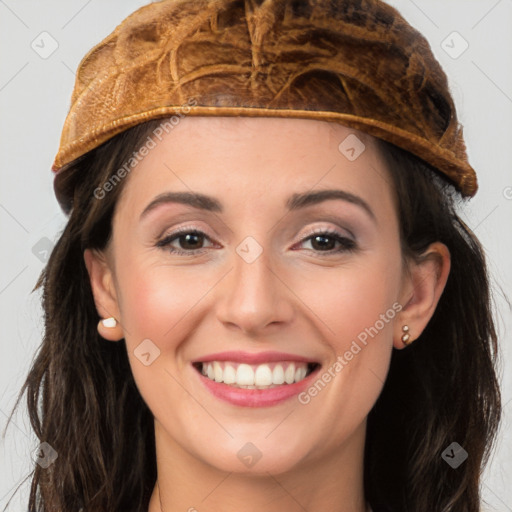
253 358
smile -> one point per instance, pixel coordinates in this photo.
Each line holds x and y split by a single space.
265 379
255 376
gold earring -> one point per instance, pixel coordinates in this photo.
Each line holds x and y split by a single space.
406 337
109 323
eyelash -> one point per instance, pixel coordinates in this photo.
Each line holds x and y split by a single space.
347 245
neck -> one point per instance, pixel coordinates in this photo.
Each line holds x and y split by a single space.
332 482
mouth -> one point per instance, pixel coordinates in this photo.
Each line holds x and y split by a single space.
256 376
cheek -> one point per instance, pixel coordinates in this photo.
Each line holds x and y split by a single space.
356 307
157 304
154 302
352 299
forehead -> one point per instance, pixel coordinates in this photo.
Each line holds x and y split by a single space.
258 160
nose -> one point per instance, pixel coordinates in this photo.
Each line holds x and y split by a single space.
254 296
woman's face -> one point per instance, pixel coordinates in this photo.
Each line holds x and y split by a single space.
273 279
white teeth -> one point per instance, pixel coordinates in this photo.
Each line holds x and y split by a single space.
289 374
229 374
278 375
300 373
217 371
261 376
245 375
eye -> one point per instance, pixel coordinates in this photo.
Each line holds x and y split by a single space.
189 241
325 241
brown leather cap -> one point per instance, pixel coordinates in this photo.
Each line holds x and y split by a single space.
355 62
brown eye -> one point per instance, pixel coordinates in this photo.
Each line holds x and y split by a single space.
325 241
188 241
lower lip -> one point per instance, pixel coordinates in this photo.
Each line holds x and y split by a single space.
256 397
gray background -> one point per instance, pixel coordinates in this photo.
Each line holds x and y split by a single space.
35 92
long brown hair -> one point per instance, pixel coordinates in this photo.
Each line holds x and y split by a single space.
83 401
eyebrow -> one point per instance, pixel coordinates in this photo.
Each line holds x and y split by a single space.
294 202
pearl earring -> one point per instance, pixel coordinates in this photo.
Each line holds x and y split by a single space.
406 338
110 323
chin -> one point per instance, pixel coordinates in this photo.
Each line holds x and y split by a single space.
243 456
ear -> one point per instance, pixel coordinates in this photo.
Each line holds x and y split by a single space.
104 293
421 290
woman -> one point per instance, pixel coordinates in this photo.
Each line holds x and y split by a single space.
287 298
